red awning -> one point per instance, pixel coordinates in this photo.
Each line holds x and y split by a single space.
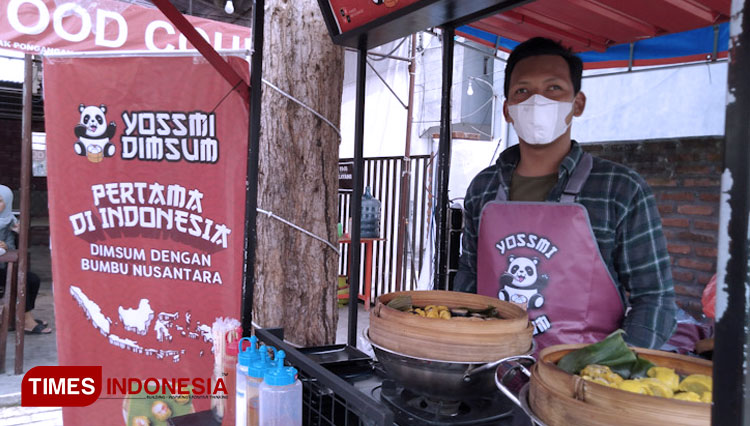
587 25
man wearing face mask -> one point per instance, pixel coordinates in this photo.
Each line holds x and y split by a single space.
574 239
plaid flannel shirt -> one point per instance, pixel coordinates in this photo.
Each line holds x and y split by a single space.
627 227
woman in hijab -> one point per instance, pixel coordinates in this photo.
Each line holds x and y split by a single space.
8 228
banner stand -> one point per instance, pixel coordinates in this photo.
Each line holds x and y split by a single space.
256 53
148 169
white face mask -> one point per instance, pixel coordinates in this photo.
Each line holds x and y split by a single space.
539 120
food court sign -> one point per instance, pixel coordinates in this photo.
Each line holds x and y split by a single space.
41 26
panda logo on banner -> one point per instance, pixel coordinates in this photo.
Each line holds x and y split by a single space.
94 134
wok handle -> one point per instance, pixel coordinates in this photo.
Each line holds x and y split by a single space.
507 366
493 365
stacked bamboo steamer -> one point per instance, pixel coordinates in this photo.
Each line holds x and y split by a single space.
559 398
457 339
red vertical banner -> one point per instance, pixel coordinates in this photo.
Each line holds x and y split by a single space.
147 166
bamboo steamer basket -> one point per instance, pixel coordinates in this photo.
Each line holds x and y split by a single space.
456 339
559 398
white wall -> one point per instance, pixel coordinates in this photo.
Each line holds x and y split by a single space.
385 117
676 102
653 104
659 103
11 66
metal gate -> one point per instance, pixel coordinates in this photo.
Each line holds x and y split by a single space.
383 176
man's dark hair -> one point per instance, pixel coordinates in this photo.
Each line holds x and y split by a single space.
543 46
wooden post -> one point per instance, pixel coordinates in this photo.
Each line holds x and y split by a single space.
11 258
23 233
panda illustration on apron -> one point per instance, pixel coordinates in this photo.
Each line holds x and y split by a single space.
544 257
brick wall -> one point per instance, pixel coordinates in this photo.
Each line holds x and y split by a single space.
684 175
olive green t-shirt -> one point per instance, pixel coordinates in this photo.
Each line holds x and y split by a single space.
524 188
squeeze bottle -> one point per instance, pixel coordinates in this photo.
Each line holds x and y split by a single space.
244 358
255 373
280 395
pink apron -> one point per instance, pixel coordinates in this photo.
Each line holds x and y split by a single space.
544 257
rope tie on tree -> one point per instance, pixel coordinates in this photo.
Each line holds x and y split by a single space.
299 228
303 105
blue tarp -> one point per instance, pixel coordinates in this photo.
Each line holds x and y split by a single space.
686 46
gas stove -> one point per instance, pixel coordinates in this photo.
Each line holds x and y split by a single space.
410 408
342 385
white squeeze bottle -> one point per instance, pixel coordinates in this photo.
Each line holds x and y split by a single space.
244 358
280 395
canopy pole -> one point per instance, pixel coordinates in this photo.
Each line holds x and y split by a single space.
356 201
731 351
251 189
444 163
403 208
206 50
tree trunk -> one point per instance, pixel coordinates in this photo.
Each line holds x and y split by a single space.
295 284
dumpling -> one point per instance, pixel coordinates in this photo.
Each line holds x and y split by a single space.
140 421
697 383
666 376
635 386
161 410
601 374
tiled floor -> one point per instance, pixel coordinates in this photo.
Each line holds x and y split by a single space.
38 349
363 321
33 416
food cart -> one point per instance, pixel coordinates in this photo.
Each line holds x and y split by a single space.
406 17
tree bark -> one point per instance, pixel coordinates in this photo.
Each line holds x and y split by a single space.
295 285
